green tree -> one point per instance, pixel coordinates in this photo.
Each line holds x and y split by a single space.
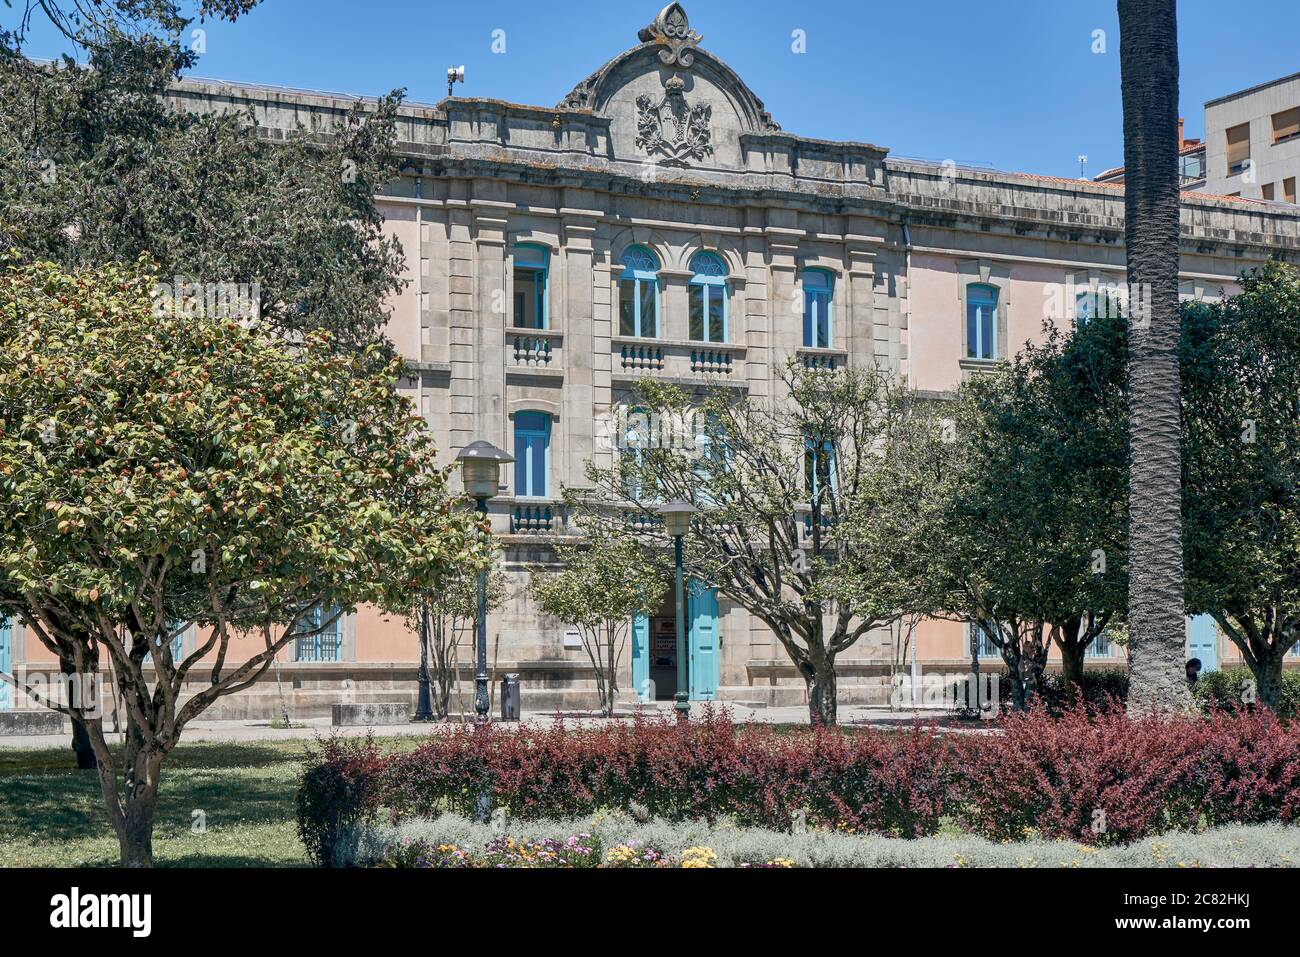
601 585
443 620
156 470
1033 533
1242 378
96 167
1149 82
780 485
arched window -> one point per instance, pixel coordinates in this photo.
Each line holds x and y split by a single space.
532 454
531 309
638 294
708 298
818 303
981 321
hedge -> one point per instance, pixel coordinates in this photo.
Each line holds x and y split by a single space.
1096 778
615 840
1227 689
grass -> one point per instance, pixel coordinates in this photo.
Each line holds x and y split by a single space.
52 815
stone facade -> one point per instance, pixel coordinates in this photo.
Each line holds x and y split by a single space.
666 148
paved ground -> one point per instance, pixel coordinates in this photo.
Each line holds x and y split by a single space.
257 730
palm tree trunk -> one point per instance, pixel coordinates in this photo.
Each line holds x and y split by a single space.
1149 80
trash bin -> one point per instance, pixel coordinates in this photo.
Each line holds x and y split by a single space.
509 697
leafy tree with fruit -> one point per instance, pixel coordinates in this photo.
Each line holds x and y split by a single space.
97 166
156 470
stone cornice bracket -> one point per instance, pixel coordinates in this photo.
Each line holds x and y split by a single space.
673 30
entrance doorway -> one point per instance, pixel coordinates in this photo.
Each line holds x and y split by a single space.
1203 641
6 662
654 647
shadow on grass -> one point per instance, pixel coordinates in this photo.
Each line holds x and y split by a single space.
43 798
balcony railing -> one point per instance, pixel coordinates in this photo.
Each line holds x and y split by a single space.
532 520
823 358
638 358
534 349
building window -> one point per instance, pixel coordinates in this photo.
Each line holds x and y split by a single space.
981 321
818 466
638 294
1099 647
531 311
326 645
1085 308
818 305
708 298
1288 190
1286 125
638 438
532 454
1192 166
177 643
1238 148
982 637
1267 190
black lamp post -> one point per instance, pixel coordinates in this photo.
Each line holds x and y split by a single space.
677 521
480 469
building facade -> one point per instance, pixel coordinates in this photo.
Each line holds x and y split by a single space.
1252 141
658 221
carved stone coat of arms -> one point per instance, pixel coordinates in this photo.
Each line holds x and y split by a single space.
672 127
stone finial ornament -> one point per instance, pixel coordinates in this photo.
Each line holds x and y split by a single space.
672 29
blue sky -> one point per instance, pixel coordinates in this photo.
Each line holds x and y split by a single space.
1009 83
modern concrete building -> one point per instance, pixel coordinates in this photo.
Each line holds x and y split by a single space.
1253 141
659 221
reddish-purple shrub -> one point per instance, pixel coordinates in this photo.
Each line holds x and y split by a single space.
870 781
1089 774
1249 771
1098 778
342 785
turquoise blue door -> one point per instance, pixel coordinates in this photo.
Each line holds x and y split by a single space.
702 613
1203 642
6 663
641 657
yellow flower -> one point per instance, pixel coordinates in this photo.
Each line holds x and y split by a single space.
699 857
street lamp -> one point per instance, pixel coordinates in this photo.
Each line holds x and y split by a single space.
677 521
480 470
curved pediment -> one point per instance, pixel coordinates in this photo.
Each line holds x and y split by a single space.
671 102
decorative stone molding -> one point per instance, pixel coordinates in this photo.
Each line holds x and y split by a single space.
672 126
672 29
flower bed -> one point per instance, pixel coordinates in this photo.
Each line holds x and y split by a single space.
617 841
1095 778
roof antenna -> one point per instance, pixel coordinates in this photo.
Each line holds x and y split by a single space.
455 74
1083 162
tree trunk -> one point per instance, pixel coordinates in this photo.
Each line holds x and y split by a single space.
1149 72
1072 654
1268 679
424 705
821 693
611 676
81 746
135 827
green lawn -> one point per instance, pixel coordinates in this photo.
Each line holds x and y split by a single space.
53 816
